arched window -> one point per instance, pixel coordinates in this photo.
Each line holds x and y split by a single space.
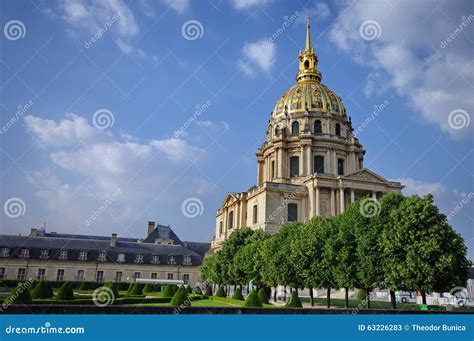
319 164
295 128
306 64
231 220
292 212
276 131
338 129
340 167
318 129
294 166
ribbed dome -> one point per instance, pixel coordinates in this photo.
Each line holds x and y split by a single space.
309 96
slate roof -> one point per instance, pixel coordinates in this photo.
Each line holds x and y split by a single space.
130 247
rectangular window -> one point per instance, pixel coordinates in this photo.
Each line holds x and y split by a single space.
340 167
83 255
60 275
2 273
21 274
139 258
63 254
292 212
231 220
121 257
294 166
273 169
319 164
186 278
118 276
5 252
221 228
99 276
170 276
80 275
44 254
187 260
41 274
154 275
137 275
171 260
102 256
156 259
255 211
25 253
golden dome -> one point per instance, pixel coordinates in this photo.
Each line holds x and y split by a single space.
308 95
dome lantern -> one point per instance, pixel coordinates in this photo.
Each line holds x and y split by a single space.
308 61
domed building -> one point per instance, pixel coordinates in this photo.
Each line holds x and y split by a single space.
309 165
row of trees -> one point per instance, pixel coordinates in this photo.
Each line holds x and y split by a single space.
399 243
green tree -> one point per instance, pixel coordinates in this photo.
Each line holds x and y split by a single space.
424 252
229 271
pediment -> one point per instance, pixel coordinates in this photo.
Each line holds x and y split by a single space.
365 175
229 198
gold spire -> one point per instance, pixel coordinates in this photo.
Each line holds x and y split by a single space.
308 61
308 34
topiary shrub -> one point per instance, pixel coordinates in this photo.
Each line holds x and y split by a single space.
208 291
180 297
137 289
114 287
197 291
294 301
130 288
148 288
20 295
263 296
65 293
42 290
170 290
238 295
220 292
252 300
361 295
189 290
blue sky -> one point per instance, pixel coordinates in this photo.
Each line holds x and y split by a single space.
182 91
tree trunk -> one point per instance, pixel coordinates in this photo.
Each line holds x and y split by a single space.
284 293
423 297
275 294
347 297
393 300
367 292
328 297
311 296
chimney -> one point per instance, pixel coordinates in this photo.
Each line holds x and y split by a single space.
151 227
113 240
34 232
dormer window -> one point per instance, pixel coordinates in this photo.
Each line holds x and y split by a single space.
24 253
121 257
5 252
102 256
44 254
187 260
63 254
155 259
171 259
83 255
139 258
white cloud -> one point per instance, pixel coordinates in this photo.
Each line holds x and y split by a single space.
257 55
179 6
248 4
434 80
177 150
318 12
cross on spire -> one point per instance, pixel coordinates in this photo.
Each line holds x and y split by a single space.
308 33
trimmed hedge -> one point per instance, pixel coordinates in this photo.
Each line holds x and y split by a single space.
89 285
220 292
65 293
253 300
170 290
136 289
238 295
180 297
189 290
20 295
294 301
114 287
263 296
119 301
42 290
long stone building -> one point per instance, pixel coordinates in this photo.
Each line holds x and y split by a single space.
310 164
56 256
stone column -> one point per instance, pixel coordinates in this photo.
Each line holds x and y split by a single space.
334 162
260 172
308 160
318 202
333 202
342 200
328 163
302 160
277 162
352 196
312 198
374 195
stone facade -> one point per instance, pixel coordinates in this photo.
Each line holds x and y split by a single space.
310 164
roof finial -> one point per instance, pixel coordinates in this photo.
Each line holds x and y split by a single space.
308 33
